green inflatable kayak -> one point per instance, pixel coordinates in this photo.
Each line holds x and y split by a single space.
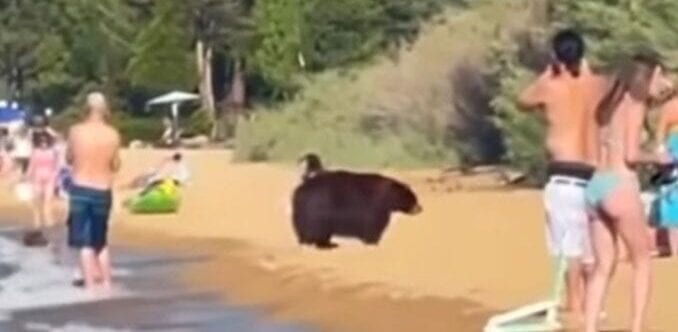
162 198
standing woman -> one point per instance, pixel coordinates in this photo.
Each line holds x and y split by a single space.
42 172
613 194
667 142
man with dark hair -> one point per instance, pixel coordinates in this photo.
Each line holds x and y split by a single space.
568 92
568 48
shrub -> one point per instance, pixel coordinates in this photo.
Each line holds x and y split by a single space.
344 131
199 123
131 128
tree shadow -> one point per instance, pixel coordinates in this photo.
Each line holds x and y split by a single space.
477 139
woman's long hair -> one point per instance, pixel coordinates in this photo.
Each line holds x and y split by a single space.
634 78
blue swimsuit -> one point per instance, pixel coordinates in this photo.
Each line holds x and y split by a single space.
603 182
668 198
601 185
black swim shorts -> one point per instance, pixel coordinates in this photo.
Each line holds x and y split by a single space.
88 214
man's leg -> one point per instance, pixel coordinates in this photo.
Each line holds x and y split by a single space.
104 260
38 202
575 286
88 264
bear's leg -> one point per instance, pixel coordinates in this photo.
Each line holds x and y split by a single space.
326 244
376 229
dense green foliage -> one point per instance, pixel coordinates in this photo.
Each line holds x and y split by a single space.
289 69
613 31
340 128
53 52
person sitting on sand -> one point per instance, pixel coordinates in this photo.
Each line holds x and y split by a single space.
172 167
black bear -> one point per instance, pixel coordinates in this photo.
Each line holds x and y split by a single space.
346 204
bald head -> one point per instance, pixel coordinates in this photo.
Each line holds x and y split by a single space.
97 107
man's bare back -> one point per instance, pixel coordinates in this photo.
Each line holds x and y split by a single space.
569 104
94 148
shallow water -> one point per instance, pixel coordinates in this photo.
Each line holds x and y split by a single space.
36 295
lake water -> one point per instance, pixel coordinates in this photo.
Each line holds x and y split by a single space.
36 295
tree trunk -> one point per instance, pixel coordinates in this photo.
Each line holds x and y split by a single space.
203 58
237 96
209 88
234 104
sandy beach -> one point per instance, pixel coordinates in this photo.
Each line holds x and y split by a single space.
476 250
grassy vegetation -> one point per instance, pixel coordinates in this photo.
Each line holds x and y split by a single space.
426 107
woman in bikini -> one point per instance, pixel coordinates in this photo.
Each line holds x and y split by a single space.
613 194
42 172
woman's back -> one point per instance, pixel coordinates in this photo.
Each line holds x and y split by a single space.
614 137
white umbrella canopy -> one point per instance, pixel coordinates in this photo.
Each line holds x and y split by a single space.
173 98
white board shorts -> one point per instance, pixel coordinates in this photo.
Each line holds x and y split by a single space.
567 222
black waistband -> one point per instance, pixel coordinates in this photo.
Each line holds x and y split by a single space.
572 169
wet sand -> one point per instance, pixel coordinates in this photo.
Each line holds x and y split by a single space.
473 252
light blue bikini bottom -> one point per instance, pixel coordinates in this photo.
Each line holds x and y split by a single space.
600 186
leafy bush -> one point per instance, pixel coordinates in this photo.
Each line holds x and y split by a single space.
131 128
522 132
198 123
144 129
344 130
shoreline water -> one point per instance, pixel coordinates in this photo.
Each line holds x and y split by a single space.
247 277
149 294
470 254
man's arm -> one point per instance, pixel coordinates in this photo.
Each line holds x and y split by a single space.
69 146
534 95
117 162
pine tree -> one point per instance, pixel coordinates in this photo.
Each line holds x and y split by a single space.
161 52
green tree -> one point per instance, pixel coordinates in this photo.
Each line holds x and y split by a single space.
25 42
216 25
278 32
161 57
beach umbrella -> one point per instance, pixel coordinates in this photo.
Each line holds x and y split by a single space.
174 98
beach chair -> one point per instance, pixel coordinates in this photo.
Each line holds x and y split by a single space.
536 317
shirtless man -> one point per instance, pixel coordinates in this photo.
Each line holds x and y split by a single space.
569 93
93 147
